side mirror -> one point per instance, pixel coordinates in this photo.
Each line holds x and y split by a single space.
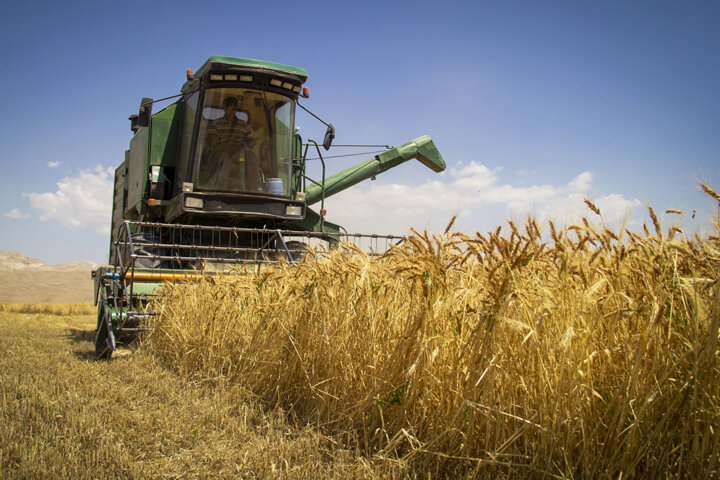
329 137
134 122
145 112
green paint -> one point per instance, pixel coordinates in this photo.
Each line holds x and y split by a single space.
422 148
218 61
165 136
313 222
248 62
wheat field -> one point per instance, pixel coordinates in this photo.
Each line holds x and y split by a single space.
581 353
65 415
60 309
526 352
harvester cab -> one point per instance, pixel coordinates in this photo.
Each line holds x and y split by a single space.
218 179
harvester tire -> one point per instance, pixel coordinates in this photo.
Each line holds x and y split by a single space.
298 250
102 349
148 252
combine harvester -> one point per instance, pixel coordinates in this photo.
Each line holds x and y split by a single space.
216 181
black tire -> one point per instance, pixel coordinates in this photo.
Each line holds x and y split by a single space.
298 250
102 349
149 252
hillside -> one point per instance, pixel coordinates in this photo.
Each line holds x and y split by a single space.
24 279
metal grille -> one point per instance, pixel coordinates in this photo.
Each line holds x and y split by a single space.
164 246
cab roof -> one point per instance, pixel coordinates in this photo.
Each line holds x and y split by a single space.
218 61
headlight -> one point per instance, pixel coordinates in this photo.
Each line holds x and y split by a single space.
194 202
293 210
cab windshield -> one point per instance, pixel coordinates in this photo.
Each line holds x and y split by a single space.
244 142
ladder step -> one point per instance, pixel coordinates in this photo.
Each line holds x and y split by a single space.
131 314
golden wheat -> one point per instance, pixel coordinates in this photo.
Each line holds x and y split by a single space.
63 415
50 308
491 355
710 192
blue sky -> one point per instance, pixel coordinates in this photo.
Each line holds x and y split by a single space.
533 105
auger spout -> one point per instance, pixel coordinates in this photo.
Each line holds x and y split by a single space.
422 148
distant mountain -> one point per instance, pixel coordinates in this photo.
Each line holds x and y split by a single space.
24 279
18 261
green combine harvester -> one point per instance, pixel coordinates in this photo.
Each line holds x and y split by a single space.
216 182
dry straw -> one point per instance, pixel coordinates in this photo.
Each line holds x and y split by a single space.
490 355
50 308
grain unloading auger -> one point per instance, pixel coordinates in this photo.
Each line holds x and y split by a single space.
216 182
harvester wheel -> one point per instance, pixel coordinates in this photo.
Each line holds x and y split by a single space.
102 348
149 252
298 250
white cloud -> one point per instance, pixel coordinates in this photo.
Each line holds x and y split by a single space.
81 201
571 208
472 192
474 175
582 182
15 214
615 206
524 173
53 164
